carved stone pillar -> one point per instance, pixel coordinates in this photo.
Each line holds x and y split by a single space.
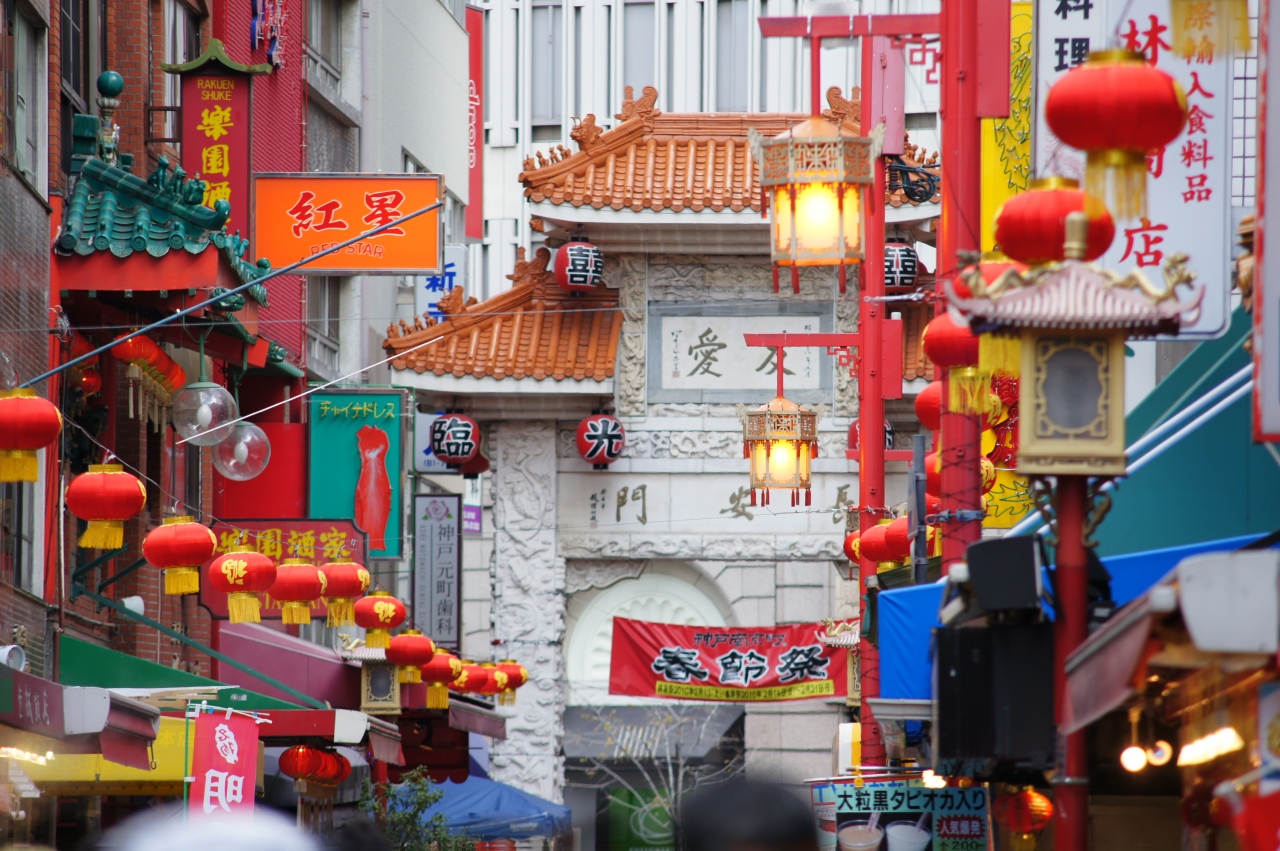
529 604
629 275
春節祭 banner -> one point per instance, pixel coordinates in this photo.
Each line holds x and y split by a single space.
725 663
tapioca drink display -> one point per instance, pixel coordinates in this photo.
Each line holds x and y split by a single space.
859 837
905 836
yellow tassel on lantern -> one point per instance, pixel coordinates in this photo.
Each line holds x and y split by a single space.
409 674
181 580
507 698
103 535
18 465
295 612
243 607
378 638
342 611
969 390
1207 29
1000 354
1126 171
437 695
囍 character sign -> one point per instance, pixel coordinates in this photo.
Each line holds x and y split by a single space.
224 765
299 215
727 664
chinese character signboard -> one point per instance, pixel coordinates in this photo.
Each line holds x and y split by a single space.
299 215
424 457
30 703
318 541
431 288
727 664
1189 181
437 567
910 815
215 140
472 506
224 765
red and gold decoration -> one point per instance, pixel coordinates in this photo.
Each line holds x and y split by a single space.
953 347
780 438
28 422
410 650
378 614
438 674
298 584
105 496
579 266
875 547
179 547
601 439
928 406
473 679
517 675
344 581
1031 227
1117 108
897 539
1024 814
302 762
242 575
455 439
496 680
853 547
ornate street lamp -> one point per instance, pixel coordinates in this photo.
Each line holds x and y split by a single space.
781 439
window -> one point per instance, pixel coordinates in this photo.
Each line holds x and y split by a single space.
83 55
639 32
17 533
21 58
181 44
733 30
322 324
325 34
547 57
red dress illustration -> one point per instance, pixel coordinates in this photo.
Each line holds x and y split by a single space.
373 491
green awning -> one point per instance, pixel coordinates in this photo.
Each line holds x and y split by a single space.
83 664
1216 482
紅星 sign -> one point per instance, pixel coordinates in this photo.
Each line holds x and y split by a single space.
224 765
729 664
297 216
437 565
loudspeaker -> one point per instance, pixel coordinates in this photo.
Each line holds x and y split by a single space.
1005 573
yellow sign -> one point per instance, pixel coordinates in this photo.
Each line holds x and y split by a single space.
1006 142
813 688
80 774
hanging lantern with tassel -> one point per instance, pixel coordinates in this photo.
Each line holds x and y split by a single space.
1031 227
28 422
780 438
106 496
179 547
954 347
378 614
1023 814
495 682
472 680
410 650
517 675
298 584
242 575
438 673
345 580
301 762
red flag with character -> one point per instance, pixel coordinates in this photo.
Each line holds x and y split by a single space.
224 765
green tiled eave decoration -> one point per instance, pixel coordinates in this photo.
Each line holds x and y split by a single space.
214 55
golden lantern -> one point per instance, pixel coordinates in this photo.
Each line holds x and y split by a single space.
812 175
780 439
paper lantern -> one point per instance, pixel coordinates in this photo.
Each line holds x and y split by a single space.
988 474
326 774
579 266
933 474
106 496
472 680
1117 107
517 675
455 439
780 438
298 584
301 762
1031 227
495 682
1023 814
852 547
179 547
897 540
90 382
242 575
80 346
378 614
137 350
27 423
344 581
874 547
410 650
901 263
601 439
953 347
438 673
929 406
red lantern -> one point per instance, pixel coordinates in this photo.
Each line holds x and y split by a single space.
298 584
344 581
90 381
27 423
106 496
517 675
600 440
80 346
301 762
933 474
378 614
579 266
472 680
852 547
179 547
455 439
410 650
1116 107
898 540
242 575
496 681
1032 227
1023 814
874 547
473 468
929 406
954 347
344 769
442 670
326 774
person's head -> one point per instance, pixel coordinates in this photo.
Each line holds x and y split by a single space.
745 815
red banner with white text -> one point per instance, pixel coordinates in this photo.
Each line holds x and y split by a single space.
475 123
224 765
731 664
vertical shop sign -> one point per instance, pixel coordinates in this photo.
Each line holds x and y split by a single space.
1266 283
432 288
224 766
475 123
437 566
215 140
1006 142
355 467
1188 181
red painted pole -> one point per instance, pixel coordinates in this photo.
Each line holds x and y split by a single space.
1071 582
870 404
960 228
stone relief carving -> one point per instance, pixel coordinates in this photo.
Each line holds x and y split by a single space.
675 278
628 270
831 444
714 547
694 444
846 385
528 603
582 575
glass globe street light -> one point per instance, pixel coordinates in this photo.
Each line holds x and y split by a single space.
202 413
244 454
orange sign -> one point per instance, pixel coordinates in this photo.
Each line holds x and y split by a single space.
299 215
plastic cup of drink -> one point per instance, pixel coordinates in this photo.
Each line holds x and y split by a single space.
859 837
905 836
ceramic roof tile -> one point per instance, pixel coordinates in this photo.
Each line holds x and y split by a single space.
534 330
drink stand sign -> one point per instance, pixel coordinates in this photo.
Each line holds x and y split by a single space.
900 815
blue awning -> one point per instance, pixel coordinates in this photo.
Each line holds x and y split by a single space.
486 809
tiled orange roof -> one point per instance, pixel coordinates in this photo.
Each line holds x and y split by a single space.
657 161
534 330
